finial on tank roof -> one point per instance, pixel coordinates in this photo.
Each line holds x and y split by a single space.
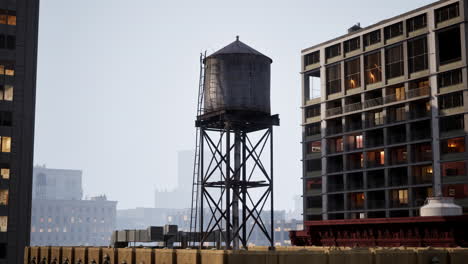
237 38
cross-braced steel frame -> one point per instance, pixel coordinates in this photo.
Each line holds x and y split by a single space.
236 181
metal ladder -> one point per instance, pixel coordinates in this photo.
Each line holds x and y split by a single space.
196 163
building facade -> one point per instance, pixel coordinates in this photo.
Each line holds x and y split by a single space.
18 61
59 215
384 118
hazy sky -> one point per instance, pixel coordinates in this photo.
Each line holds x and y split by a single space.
117 82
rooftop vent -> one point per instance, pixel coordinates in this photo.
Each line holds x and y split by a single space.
354 28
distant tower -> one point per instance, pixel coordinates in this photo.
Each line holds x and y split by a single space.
235 127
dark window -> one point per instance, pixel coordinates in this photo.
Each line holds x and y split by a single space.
416 23
352 44
314 165
371 38
447 12
394 61
457 168
333 51
11 42
3 251
449 45
373 68
417 55
314 217
451 100
313 111
6 118
334 79
452 123
314 202
314 147
450 78
394 30
312 58
313 129
353 73
2 42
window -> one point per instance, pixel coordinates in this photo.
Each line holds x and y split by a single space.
451 100
313 129
8 17
314 147
6 144
312 58
449 45
11 42
5 118
314 202
371 38
3 223
353 73
450 78
394 61
3 197
333 51
457 168
416 23
447 12
452 123
400 197
6 92
334 79
314 184
5 173
373 68
394 30
359 141
7 69
453 145
352 44
313 111
314 165
417 55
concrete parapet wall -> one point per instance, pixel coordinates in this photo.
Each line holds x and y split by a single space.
282 255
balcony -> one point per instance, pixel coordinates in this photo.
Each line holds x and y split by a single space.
396 118
423 91
396 139
373 102
353 126
376 204
353 107
374 122
334 130
334 111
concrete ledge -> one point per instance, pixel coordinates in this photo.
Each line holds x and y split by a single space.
255 255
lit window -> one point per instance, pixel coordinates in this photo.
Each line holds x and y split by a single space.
41 230
41 220
359 141
11 18
8 93
33 229
49 230
453 145
5 172
10 70
3 223
6 144
382 157
3 197
49 219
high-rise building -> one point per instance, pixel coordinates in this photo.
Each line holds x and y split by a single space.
179 197
18 61
384 116
61 217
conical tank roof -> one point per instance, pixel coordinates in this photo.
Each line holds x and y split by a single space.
238 47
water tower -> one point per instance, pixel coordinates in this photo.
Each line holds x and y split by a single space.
233 172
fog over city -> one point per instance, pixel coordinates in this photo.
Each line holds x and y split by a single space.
117 82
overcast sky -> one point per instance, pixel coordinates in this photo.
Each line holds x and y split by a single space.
117 82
